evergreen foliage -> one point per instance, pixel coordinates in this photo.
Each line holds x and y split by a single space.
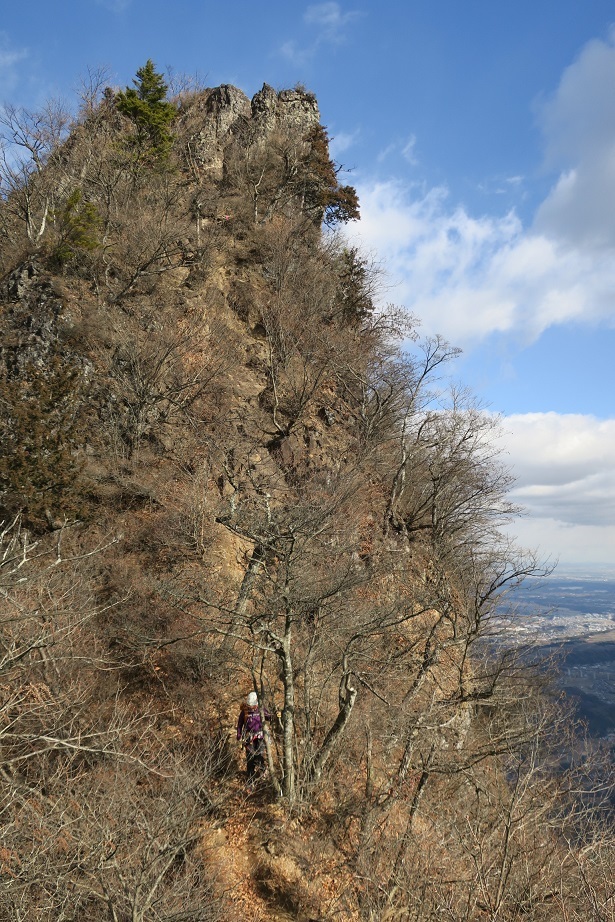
336 203
355 301
146 104
78 227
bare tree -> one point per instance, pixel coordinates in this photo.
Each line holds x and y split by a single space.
159 378
266 170
98 816
91 89
29 163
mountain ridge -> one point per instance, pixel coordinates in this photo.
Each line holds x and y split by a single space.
223 472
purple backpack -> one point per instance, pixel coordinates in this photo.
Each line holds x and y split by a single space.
253 728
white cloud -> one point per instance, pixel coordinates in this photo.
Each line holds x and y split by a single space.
329 18
579 127
341 142
580 116
582 545
552 450
9 58
408 151
468 277
564 465
330 22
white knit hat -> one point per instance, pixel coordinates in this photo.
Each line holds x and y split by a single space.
252 700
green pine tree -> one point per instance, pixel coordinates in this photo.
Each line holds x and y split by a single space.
152 113
354 300
78 225
333 203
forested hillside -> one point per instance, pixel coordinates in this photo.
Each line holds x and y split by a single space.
224 471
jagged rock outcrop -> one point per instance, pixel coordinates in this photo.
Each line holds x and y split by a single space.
221 113
33 322
296 109
218 112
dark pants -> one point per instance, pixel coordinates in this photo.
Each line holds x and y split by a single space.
255 757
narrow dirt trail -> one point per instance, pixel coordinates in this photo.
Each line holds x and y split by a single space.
235 854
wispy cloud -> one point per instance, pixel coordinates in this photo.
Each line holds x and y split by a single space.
10 57
504 186
565 469
409 151
330 20
293 52
387 151
342 141
405 148
328 23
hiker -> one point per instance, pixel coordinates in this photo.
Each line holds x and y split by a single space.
250 734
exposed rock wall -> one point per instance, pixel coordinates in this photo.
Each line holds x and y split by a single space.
33 323
221 113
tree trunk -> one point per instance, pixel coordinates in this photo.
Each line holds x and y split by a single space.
348 696
249 577
288 715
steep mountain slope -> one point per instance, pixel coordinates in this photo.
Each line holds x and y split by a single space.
221 473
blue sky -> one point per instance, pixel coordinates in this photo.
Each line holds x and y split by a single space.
481 139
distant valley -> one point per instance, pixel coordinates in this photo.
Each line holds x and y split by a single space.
573 616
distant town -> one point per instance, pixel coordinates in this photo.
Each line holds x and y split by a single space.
559 608
574 617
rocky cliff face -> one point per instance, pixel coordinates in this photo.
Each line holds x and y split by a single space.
33 318
294 109
219 115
